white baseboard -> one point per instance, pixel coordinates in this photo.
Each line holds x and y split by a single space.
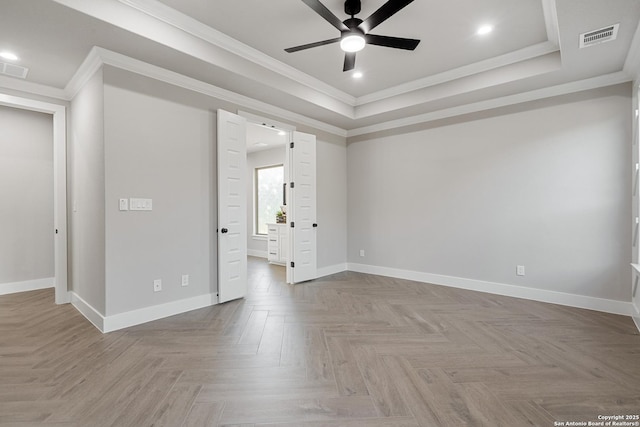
88 311
136 317
257 253
27 285
561 298
331 269
155 312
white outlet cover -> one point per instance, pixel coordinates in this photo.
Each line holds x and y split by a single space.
185 280
157 285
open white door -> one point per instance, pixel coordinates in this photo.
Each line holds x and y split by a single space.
302 208
232 207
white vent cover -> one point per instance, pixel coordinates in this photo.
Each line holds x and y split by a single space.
13 70
602 35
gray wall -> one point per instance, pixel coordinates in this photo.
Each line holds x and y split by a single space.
331 171
160 149
86 151
160 143
259 159
544 184
26 194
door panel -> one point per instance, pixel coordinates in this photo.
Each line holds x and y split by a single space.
232 207
303 207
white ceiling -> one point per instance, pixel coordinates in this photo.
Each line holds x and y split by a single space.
239 46
264 138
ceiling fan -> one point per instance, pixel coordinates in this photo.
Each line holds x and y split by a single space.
355 32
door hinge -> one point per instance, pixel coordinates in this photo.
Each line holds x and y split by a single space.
293 264
291 145
293 224
292 185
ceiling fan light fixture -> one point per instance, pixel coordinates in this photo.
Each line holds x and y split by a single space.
352 42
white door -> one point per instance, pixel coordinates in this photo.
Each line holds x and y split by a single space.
232 206
302 208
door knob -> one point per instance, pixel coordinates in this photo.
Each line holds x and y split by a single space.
224 230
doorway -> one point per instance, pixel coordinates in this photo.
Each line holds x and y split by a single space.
59 232
236 194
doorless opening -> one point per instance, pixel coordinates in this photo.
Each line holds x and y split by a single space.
59 185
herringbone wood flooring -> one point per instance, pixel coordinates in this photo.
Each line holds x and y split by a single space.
350 350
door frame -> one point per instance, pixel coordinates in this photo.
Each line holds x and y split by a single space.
264 121
59 113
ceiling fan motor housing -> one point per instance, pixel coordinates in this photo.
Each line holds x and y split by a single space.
352 7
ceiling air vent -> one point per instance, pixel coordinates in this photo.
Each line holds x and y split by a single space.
602 35
13 70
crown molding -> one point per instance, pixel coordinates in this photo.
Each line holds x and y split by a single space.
98 57
521 55
13 83
157 21
563 89
632 62
196 28
550 12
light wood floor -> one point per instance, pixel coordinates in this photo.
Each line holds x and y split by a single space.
350 350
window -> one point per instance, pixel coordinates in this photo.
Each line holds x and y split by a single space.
269 197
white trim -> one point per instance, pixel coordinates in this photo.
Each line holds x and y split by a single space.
137 317
548 92
632 62
84 73
169 19
561 298
59 113
133 65
460 72
26 285
551 21
90 313
33 88
331 269
155 312
257 253
204 32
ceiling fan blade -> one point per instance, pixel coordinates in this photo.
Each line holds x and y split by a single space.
395 42
349 61
310 45
322 10
385 11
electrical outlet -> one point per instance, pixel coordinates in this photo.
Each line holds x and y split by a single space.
361 252
185 280
157 285
520 270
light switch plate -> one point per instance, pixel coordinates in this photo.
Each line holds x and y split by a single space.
140 204
124 204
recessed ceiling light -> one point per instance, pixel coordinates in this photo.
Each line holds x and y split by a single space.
9 55
282 133
260 144
485 29
357 75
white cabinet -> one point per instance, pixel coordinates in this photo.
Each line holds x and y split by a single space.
277 243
